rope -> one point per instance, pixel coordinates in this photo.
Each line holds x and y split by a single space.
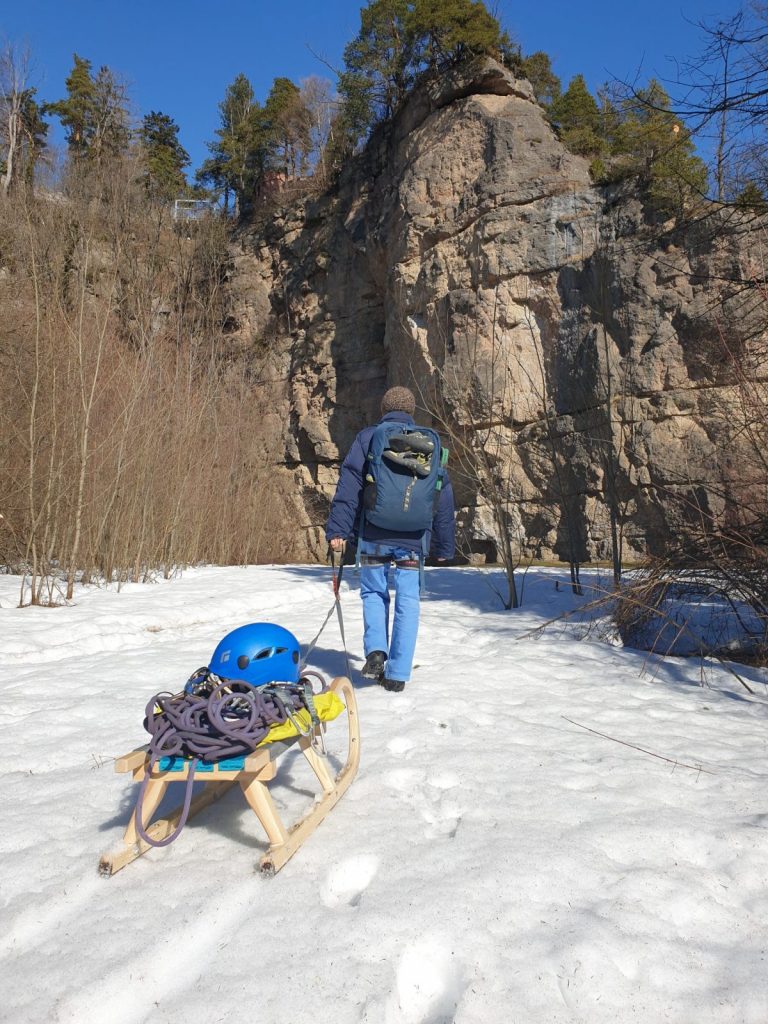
337 602
336 606
222 719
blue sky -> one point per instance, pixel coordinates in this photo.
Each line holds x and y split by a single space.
178 57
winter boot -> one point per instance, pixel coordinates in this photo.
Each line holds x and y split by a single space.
393 685
374 666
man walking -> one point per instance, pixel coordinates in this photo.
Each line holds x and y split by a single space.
410 466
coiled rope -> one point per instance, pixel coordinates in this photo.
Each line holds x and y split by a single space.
216 719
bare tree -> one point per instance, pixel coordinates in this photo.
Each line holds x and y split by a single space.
319 99
722 93
132 434
469 397
14 87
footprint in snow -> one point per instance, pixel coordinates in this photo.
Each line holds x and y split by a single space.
432 796
347 881
401 745
429 983
444 780
404 780
441 809
399 703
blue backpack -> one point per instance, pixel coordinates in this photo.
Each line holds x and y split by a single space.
403 477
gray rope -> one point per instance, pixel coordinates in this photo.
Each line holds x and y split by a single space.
221 720
336 606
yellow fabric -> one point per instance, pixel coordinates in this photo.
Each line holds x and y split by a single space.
328 705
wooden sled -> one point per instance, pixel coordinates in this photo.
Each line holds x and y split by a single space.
251 773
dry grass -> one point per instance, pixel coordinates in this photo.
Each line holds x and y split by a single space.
130 436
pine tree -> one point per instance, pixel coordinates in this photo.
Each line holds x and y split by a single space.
537 68
94 112
286 128
378 64
653 143
752 198
577 117
237 155
77 112
34 135
400 39
164 156
446 30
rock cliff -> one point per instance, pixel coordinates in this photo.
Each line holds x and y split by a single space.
572 350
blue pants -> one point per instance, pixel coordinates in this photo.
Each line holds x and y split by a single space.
374 590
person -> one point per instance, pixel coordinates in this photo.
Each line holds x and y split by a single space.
389 656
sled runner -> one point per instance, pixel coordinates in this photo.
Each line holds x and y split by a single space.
251 772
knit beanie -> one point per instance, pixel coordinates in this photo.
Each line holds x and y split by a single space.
398 400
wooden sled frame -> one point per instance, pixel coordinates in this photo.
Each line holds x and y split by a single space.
258 769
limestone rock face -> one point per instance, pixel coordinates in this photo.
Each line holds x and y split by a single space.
565 346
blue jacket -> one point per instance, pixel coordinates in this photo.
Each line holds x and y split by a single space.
344 520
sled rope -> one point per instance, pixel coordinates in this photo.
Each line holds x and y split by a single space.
228 720
336 606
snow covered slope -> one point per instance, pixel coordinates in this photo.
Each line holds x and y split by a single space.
493 862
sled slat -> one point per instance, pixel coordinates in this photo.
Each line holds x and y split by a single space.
129 762
279 853
112 862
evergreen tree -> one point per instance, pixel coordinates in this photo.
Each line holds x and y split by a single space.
378 65
577 117
537 68
653 143
164 156
399 39
752 198
447 30
94 112
286 128
34 135
77 111
237 155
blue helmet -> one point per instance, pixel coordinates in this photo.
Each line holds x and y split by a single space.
258 653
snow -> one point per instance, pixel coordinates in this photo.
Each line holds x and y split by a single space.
492 862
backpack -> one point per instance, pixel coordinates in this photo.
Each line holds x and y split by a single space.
403 477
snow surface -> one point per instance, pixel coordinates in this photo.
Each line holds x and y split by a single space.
492 862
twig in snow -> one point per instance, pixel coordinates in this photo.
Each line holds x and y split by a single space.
601 602
670 760
99 761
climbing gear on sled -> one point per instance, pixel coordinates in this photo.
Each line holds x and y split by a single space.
217 719
227 727
257 653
